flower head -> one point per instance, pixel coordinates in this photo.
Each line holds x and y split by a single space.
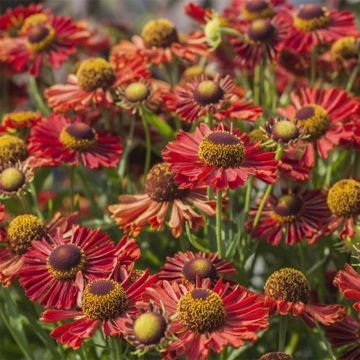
12 149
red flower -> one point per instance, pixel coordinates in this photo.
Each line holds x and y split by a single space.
287 291
321 113
93 83
217 158
187 266
162 197
58 140
198 13
49 38
348 282
206 317
351 137
55 270
314 24
292 217
19 120
106 304
345 333
21 231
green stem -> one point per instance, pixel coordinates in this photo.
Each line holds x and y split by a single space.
209 119
274 99
313 65
327 345
116 349
353 76
127 149
193 241
302 256
248 197
34 91
25 203
257 75
147 141
282 332
35 201
72 186
219 223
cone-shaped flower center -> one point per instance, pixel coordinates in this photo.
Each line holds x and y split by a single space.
95 73
149 328
78 136
65 261
137 91
160 184
257 9
314 119
40 37
276 355
344 198
201 267
311 17
261 30
20 117
345 48
159 33
104 299
222 149
22 230
285 131
288 284
12 149
208 92
287 208
11 179
201 310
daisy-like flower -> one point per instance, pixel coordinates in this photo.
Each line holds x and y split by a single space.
14 178
217 96
351 137
56 269
12 149
58 140
206 317
288 291
46 38
314 24
343 200
162 196
105 304
320 113
348 282
346 49
263 40
345 334
16 120
160 43
188 266
93 84
21 231
217 158
292 217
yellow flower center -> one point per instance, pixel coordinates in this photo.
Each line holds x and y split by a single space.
288 284
345 48
22 230
149 328
33 20
159 33
104 299
78 136
208 92
95 73
314 119
257 9
201 267
311 17
201 311
137 92
287 208
11 179
192 72
65 261
222 149
160 184
285 131
20 117
261 30
344 198
12 149
40 37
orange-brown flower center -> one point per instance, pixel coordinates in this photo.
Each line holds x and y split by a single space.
159 33
261 30
78 136
287 208
201 267
311 17
257 9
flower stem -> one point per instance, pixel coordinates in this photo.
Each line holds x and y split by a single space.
219 223
257 74
208 119
34 91
248 197
313 65
353 76
282 332
148 143
128 147
72 185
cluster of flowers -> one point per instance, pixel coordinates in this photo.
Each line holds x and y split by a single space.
255 103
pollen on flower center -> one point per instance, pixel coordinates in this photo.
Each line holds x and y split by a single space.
311 17
345 48
285 131
208 92
78 136
201 310
160 184
287 208
276 356
65 261
222 149
261 30
201 267
22 230
12 149
257 9
95 73
20 117
159 33
137 91
288 284
344 197
40 36
149 328
12 179
104 299
314 119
